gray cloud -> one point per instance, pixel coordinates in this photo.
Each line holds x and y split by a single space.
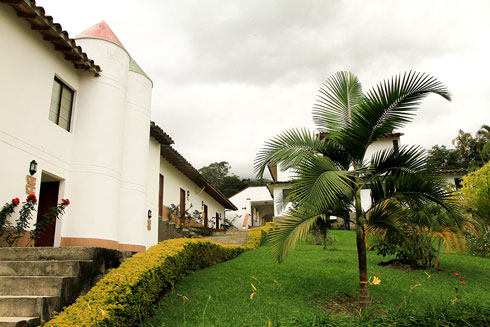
230 74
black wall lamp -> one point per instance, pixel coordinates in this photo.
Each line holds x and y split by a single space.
149 213
33 167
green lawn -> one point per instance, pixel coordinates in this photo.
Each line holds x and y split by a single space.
308 281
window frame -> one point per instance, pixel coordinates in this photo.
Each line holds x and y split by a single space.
63 86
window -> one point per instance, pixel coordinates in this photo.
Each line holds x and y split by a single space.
61 104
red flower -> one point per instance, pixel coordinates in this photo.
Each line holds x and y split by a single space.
457 275
32 198
464 283
65 201
16 201
187 212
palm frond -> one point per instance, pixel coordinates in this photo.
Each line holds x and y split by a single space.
388 106
409 159
287 148
336 101
320 183
414 189
292 229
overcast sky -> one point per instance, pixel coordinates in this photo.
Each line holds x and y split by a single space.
228 75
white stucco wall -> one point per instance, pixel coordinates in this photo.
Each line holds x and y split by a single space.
280 208
379 145
29 65
152 178
284 175
98 140
174 180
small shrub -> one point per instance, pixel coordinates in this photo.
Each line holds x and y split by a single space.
478 246
257 235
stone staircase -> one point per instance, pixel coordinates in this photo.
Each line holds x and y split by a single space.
34 282
233 237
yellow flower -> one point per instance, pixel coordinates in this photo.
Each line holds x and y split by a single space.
375 281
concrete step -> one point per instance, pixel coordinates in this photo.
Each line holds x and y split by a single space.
28 306
62 253
43 267
19 321
37 285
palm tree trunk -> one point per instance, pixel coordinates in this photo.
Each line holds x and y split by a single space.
436 262
361 255
318 235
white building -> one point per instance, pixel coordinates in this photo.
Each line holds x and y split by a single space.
255 207
81 109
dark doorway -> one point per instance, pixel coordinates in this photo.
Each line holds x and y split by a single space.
205 214
217 220
48 198
182 206
160 196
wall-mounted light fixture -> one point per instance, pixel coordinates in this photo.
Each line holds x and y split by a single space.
33 167
202 204
188 193
149 213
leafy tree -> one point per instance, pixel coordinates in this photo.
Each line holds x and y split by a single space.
475 151
440 158
333 167
217 173
475 194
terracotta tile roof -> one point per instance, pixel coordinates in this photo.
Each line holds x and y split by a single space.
101 31
179 162
53 33
158 134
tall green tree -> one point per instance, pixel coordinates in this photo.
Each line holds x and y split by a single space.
474 151
218 174
333 168
215 172
439 157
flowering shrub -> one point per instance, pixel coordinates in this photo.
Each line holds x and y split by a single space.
49 218
13 233
6 211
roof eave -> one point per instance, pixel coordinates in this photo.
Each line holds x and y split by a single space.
54 34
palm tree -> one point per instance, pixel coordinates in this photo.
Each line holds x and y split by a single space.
331 166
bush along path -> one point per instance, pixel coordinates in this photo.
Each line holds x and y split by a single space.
127 294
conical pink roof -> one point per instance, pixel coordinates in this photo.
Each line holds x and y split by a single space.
101 31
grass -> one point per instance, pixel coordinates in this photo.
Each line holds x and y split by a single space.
311 283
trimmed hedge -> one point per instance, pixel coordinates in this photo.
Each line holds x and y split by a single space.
258 235
126 294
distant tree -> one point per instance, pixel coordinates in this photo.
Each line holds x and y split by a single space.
217 173
475 151
440 157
